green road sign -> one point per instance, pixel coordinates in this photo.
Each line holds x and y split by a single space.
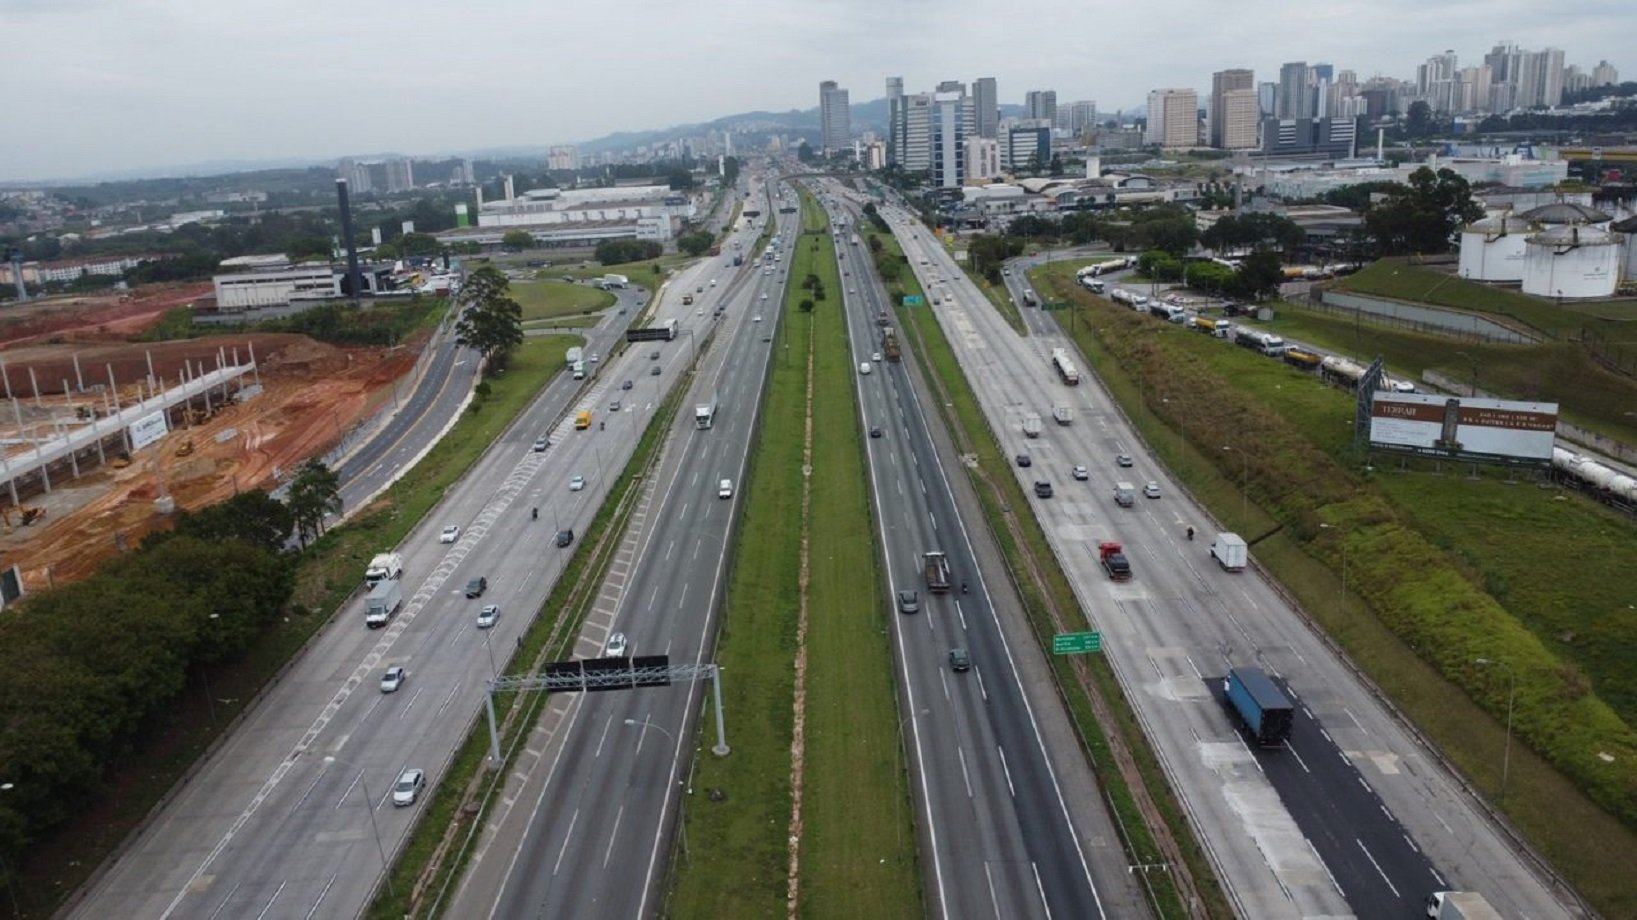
914 300
1075 643
1055 305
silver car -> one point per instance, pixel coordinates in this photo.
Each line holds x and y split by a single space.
409 786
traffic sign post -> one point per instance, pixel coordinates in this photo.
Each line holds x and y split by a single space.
1055 305
914 300
1077 643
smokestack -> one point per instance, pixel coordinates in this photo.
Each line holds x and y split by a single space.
354 281
510 193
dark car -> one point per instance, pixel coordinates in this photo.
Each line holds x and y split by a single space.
875 431
1023 460
477 586
654 372
565 536
909 602
1043 489
959 660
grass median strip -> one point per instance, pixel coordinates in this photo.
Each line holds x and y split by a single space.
849 858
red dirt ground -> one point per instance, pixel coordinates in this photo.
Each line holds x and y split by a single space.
312 393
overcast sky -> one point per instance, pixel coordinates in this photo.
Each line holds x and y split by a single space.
94 85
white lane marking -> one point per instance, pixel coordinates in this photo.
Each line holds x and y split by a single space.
558 865
270 901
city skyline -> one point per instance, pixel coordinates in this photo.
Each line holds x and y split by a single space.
101 86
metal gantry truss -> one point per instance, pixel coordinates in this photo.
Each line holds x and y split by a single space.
597 674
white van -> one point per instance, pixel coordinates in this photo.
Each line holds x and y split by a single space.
724 489
864 368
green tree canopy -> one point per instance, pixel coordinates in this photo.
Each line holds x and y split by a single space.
314 494
491 321
1423 216
696 243
517 239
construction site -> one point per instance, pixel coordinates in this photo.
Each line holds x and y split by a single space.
104 438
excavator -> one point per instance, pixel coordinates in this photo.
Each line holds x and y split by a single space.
186 450
19 516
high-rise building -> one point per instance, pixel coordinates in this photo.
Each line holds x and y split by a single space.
1041 105
835 119
1605 74
915 151
1222 82
1173 118
563 157
985 107
895 117
949 111
1241 115
1472 89
400 175
982 159
1540 78
1026 146
1293 100
1267 96
1435 81
1074 118
357 176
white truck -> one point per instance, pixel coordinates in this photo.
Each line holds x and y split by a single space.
1031 424
615 281
383 601
1230 551
575 356
1063 414
704 414
1460 905
384 566
1125 494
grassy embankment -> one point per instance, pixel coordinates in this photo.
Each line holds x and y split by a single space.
857 856
1442 568
545 300
1153 829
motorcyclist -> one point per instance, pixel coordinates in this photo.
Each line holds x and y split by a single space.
963 587
536 513
602 426
1190 532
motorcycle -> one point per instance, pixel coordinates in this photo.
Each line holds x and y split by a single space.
1190 533
535 513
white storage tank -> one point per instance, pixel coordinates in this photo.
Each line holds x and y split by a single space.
1628 263
1564 212
1492 249
1571 261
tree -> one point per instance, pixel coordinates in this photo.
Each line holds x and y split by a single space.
696 243
306 248
419 244
1260 274
680 181
517 239
314 493
1418 120
491 321
254 517
1423 216
616 252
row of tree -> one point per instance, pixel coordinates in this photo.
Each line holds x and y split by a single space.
93 670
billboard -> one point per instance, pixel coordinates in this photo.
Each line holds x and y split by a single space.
1460 427
148 429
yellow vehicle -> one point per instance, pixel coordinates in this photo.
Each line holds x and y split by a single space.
582 420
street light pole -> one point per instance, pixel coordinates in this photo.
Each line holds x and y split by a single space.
369 805
1511 698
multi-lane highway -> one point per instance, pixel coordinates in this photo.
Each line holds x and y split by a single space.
1000 836
1284 842
292 815
590 803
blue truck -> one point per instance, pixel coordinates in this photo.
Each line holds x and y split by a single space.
1262 708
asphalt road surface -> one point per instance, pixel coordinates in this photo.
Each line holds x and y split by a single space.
291 815
591 802
1181 619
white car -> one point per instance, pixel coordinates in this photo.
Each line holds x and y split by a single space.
576 484
488 616
757 318
1081 473
1152 490
409 786
876 357
450 534
616 646
593 357
393 679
